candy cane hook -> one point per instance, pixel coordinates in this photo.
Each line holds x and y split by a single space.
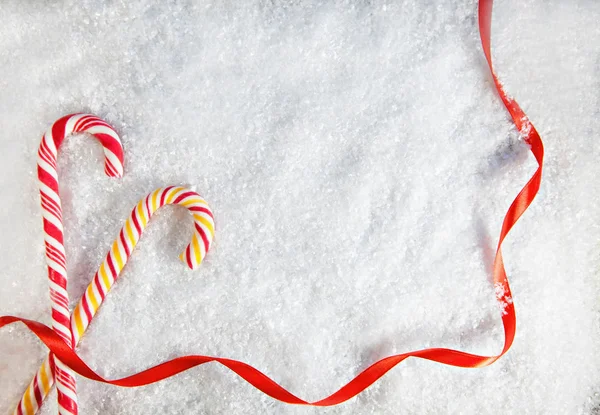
55 251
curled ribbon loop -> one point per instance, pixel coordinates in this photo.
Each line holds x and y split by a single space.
367 377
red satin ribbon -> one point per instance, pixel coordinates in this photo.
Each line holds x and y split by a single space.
378 369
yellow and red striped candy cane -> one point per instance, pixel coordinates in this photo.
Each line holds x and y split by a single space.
123 246
129 236
55 250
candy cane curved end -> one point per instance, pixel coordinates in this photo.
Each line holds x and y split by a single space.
204 226
84 123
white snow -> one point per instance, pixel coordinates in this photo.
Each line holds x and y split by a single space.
359 163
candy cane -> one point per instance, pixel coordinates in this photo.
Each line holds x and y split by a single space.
53 369
129 237
123 246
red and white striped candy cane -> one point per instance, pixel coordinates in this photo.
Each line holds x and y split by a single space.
123 246
55 251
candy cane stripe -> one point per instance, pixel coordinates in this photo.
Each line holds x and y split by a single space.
113 160
55 255
124 243
62 323
204 222
69 125
45 167
112 267
98 288
59 303
49 144
61 326
77 322
46 160
49 205
48 148
90 303
54 221
54 274
36 391
201 209
136 222
48 192
104 281
54 246
29 403
205 240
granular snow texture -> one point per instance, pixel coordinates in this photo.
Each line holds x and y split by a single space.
359 163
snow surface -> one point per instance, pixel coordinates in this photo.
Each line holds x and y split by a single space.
359 163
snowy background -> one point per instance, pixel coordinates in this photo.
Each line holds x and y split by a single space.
359 163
